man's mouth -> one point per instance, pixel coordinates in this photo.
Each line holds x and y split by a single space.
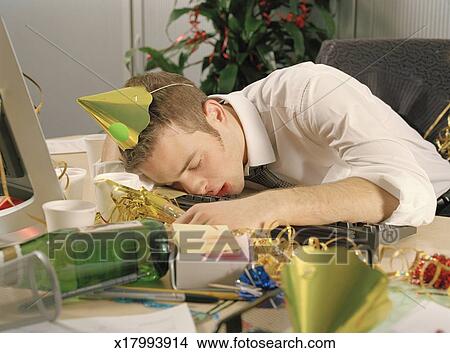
224 190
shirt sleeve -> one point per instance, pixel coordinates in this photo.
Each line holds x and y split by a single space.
341 112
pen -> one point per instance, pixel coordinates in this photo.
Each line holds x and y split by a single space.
176 297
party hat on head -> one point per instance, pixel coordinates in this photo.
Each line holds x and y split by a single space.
123 113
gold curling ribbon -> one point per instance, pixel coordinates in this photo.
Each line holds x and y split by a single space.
63 165
410 267
443 140
6 197
38 108
274 253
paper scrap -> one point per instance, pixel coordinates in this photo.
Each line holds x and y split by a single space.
426 317
177 319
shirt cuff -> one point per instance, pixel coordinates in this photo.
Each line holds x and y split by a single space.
417 200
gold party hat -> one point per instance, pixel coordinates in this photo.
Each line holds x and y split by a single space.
122 113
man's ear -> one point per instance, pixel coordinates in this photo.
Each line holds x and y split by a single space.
214 112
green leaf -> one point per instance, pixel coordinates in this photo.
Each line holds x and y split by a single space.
227 78
252 24
182 59
234 25
129 58
233 45
293 6
267 56
241 57
151 64
322 19
330 26
209 85
160 61
177 13
211 14
250 73
297 36
225 5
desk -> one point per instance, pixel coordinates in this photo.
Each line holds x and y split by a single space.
431 238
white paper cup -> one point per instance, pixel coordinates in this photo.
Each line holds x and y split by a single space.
75 186
108 167
94 146
128 179
62 214
105 204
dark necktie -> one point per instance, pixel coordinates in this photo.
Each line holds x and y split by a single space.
263 176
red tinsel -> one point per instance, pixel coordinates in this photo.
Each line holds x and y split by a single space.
429 265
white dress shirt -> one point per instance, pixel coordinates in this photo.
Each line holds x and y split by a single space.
314 124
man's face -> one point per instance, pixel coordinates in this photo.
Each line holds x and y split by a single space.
198 162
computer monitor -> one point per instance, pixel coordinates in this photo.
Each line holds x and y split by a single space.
29 172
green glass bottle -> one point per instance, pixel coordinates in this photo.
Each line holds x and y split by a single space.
85 258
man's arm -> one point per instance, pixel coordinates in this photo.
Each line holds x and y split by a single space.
342 114
353 199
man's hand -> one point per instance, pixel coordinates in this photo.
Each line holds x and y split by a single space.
250 212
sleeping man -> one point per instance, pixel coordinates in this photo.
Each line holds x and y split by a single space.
320 143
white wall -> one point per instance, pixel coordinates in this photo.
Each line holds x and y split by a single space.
393 18
95 32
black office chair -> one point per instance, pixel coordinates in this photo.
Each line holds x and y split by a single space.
412 76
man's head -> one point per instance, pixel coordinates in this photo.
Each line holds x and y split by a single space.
192 143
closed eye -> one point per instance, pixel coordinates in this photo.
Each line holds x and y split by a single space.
198 165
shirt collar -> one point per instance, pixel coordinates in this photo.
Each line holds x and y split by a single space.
259 148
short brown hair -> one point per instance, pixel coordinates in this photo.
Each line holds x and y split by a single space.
176 105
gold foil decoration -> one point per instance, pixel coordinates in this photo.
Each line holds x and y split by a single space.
272 253
131 204
408 268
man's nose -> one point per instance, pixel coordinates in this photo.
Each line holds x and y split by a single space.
195 186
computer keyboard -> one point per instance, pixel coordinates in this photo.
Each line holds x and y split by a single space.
189 200
367 236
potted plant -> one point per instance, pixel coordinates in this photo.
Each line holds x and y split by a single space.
251 38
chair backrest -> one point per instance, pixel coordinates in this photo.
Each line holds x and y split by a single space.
412 76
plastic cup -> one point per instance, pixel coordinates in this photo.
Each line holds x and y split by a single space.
128 179
108 167
75 183
63 214
94 146
29 292
105 203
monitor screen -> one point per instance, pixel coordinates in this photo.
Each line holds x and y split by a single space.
28 175
19 186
